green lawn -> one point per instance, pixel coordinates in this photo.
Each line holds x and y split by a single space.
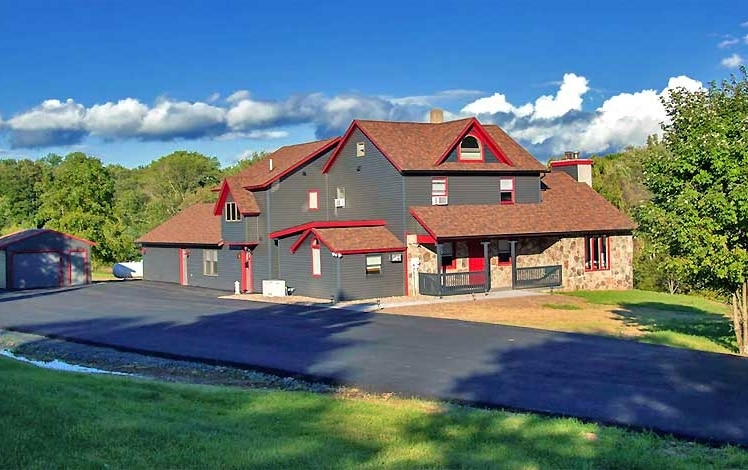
58 420
673 320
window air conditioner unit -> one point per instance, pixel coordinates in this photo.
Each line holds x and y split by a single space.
439 200
339 202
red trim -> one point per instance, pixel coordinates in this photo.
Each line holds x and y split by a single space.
245 260
476 129
309 199
183 254
591 245
42 232
480 148
571 163
423 224
371 250
243 243
498 258
297 244
295 166
316 251
325 224
354 125
514 188
425 239
406 276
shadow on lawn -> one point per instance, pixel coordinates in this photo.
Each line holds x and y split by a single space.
660 317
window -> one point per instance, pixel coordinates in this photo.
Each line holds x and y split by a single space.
316 259
448 257
360 149
313 200
210 262
373 264
470 150
232 212
439 191
506 190
596 251
505 252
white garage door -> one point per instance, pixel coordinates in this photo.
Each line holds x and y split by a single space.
36 270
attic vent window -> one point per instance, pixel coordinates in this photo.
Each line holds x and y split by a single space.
360 149
470 150
232 212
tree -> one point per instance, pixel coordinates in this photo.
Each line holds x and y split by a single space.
77 197
699 208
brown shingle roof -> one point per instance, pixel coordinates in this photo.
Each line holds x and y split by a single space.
195 225
351 240
286 158
416 146
567 207
244 199
359 239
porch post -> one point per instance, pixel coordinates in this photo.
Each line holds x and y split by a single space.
513 254
486 266
338 279
439 267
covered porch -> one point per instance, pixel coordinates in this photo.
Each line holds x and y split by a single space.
442 267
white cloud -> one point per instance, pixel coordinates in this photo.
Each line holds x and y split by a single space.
51 114
214 97
123 118
170 119
732 62
432 100
568 98
496 103
237 96
744 24
730 41
247 113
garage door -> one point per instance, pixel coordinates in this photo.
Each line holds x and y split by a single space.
36 270
78 268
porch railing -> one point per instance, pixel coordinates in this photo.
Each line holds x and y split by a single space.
539 276
453 283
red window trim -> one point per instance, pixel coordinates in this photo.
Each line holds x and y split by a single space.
514 189
316 246
446 186
589 243
481 146
309 199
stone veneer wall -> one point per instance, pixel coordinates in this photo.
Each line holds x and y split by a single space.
542 251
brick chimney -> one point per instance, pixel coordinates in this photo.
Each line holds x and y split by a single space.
579 168
436 116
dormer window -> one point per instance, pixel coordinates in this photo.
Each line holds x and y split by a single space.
470 150
232 212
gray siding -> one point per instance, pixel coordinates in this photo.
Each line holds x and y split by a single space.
356 284
229 269
290 201
296 270
233 231
373 187
472 189
161 264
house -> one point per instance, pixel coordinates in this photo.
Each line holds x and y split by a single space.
399 208
38 258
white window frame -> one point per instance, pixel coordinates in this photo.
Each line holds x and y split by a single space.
231 212
506 186
210 262
313 197
373 265
436 182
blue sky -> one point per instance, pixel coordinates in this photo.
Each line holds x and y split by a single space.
132 81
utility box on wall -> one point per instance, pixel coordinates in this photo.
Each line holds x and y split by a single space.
274 288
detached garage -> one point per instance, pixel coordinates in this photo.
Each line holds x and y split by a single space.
39 258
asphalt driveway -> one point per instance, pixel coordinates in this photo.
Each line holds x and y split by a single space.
688 393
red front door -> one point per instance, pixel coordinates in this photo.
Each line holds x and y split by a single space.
183 267
476 263
246 266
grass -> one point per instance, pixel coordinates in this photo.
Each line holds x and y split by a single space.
673 320
562 306
52 419
102 273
